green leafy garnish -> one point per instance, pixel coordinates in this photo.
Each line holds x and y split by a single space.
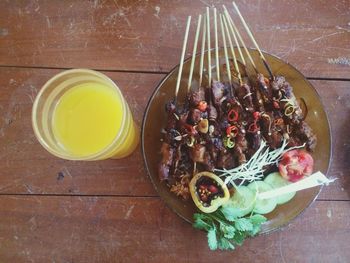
231 213
243 224
225 229
212 240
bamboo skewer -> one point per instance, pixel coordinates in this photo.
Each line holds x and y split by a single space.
194 53
253 40
243 44
237 45
233 29
182 58
209 51
229 21
232 52
225 50
202 52
232 24
216 46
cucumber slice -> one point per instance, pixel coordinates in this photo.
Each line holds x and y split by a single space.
243 199
262 206
277 181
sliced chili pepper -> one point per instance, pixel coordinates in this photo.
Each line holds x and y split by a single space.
279 121
289 110
202 106
232 115
232 130
256 115
253 127
191 142
267 81
229 143
276 105
190 129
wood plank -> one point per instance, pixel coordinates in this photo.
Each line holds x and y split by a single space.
336 99
28 169
85 229
147 35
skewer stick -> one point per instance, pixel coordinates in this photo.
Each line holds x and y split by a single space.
216 46
232 24
182 57
209 51
230 21
243 44
253 40
194 168
232 52
236 32
202 52
225 50
194 53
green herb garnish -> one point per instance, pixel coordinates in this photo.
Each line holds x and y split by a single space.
225 229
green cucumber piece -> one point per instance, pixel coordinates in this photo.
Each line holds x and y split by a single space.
243 199
277 181
262 206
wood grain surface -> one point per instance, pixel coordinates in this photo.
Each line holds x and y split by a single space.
106 229
147 35
53 210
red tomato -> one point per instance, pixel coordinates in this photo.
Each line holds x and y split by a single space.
295 165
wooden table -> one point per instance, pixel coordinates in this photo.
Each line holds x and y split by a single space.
53 210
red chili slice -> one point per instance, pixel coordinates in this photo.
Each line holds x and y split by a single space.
276 105
190 129
279 121
253 127
232 130
256 115
267 81
202 106
232 115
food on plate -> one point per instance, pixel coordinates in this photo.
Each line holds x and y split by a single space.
275 180
223 143
295 165
262 206
243 199
208 192
217 128
225 229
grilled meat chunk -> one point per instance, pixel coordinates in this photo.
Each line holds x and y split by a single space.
226 159
165 164
304 132
218 92
244 95
197 96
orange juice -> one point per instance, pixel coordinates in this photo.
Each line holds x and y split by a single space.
81 115
87 118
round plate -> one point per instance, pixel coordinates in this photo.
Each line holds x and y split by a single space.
155 119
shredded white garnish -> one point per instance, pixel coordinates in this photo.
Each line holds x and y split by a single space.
247 95
289 101
254 169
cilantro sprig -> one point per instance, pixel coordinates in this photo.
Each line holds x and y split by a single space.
225 229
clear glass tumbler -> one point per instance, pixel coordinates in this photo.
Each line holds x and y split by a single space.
123 142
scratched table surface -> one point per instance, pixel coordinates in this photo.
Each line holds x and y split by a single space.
52 210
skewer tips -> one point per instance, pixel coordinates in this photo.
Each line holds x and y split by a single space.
182 58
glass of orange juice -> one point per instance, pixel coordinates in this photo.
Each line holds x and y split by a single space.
81 114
